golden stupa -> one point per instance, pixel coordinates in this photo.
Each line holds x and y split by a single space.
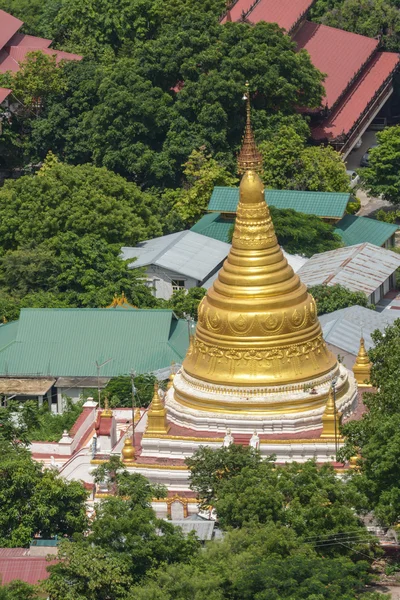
258 347
362 366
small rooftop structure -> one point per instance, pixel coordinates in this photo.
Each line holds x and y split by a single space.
360 268
328 205
343 328
179 260
357 230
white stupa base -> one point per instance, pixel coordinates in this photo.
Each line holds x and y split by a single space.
270 420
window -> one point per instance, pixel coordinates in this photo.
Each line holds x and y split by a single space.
178 284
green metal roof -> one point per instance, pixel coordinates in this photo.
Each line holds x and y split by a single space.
323 204
68 342
357 230
214 226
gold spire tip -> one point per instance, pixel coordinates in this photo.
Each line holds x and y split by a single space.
249 157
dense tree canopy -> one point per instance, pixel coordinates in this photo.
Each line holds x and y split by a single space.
376 436
35 501
333 297
289 164
382 176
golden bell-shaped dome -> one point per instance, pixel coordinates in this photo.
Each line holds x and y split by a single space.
128 451
257 325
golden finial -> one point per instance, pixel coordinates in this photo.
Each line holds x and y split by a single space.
157 415
331 414
128 451
4 320
107 412
171 377
120 301
249 158
362 366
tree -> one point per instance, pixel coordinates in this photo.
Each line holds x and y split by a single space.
202 173
38 78
382 177
125 542
35 501
373 18
119 390
267 562
18 590
185 303
375 438
334 297
208 466
289 164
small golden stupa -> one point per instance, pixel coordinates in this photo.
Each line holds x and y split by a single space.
331 418
157 415
128 451
362 366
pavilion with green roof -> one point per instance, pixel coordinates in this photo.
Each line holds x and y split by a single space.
59 348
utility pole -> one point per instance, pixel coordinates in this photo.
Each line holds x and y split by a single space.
98 367
133 406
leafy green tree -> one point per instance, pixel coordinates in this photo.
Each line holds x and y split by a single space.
202 173
119 390
372 18
289 164
376 436
18 590
38 78
382 176
207 468
334 297
267 562
34 500
125 542
39 423
185 303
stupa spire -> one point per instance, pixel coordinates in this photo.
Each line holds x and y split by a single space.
362 366
249 156
329 427
156 415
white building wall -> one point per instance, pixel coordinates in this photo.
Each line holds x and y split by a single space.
162 281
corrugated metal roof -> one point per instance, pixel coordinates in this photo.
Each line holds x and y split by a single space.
214 226
342 328
186 253
9 25
357 99
323 204
68 342
337 53
357 230
361 268
203 529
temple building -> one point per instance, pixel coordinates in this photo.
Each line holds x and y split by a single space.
257 372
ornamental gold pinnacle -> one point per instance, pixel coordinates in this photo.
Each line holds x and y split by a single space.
249 156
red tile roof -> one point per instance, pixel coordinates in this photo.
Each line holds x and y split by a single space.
4 92
339 54
241 6
9 25
13 55
20 39
359 96
287 13
25 568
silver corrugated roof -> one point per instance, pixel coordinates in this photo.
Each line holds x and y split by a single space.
185 252
203 529
360 268
342 328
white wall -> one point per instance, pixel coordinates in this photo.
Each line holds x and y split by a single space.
162 281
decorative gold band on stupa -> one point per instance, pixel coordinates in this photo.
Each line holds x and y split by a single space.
362 366
257 325
249 155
